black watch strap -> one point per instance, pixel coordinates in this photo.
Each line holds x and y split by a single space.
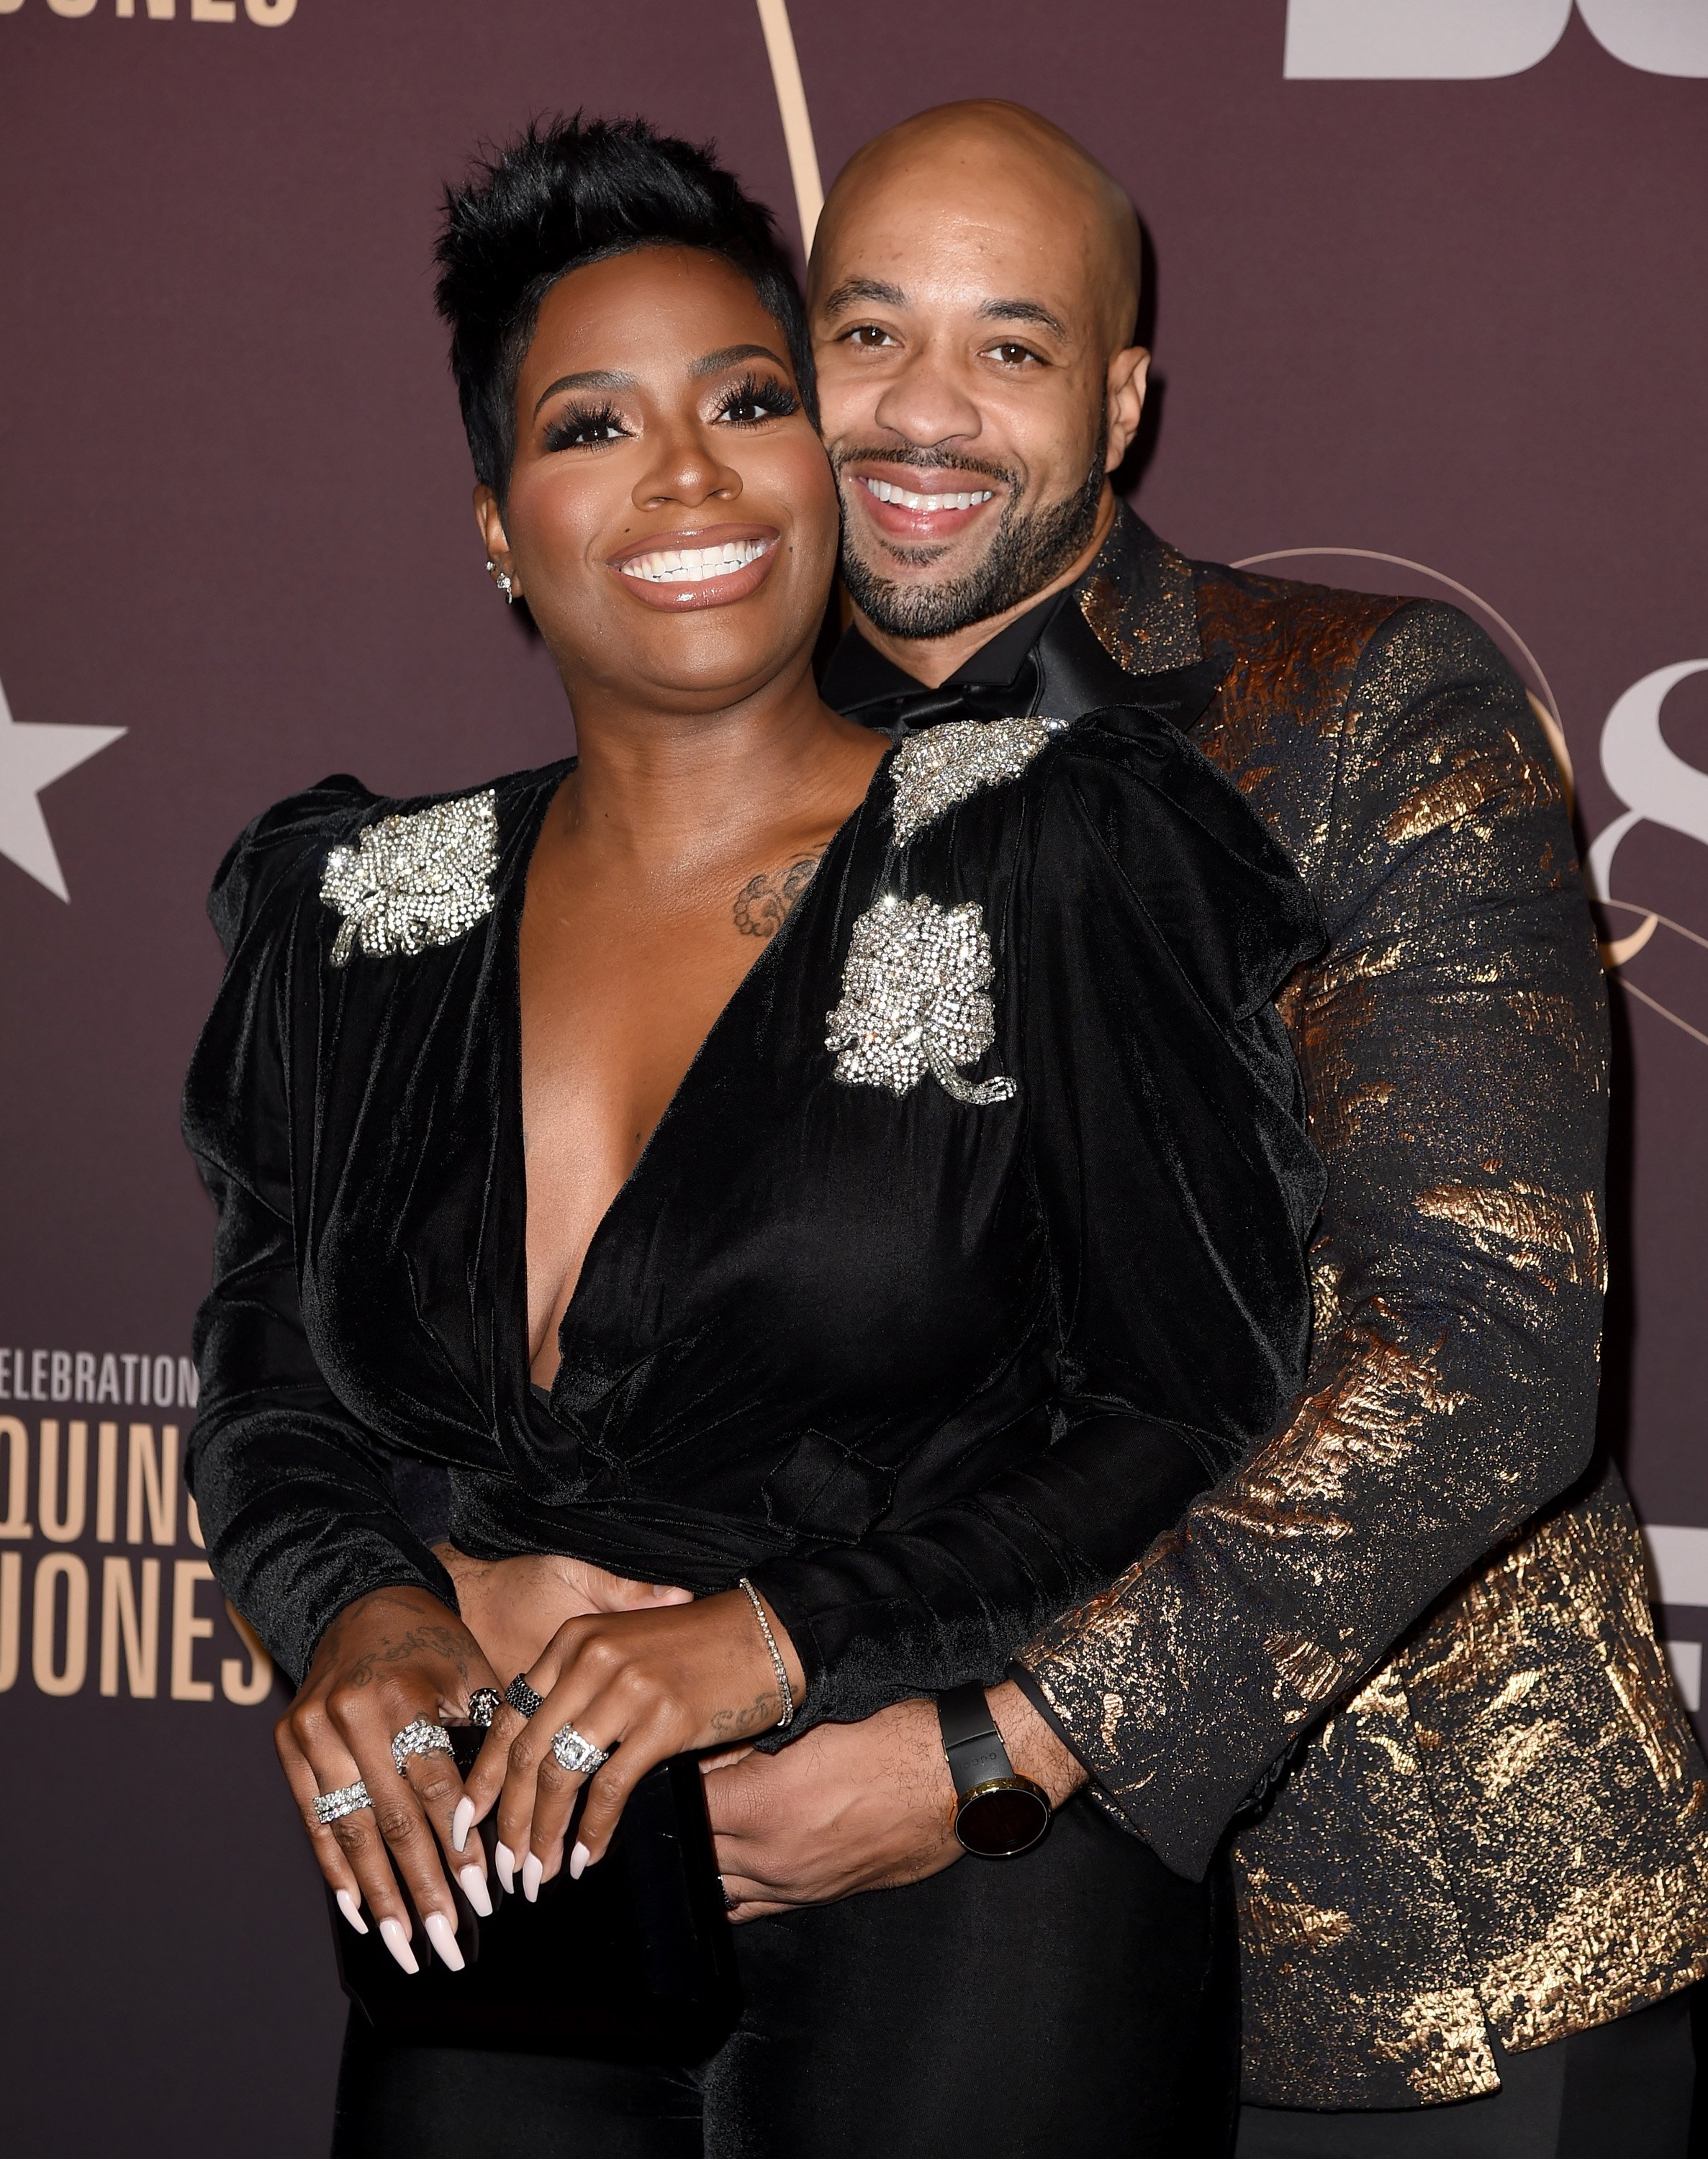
970 1739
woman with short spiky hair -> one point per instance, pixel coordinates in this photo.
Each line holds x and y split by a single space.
811 1205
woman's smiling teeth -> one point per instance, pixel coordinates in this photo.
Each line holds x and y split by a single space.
693 566
908 500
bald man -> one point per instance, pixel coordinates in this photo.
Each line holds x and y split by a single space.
1402 1661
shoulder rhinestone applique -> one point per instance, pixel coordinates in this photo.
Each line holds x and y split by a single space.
944 765
914 1000
414 880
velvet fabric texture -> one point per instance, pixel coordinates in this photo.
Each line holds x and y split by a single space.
928 1371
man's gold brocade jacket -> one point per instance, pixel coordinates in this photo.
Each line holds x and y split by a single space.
1492 1814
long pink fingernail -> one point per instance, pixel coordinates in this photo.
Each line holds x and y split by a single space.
352 1911
443 1937
475 1890
533 1874
461 1822
579 1860
392 1934
505 1861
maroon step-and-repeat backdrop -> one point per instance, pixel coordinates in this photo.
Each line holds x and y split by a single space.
1431 311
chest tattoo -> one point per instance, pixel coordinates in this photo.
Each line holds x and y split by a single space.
765 902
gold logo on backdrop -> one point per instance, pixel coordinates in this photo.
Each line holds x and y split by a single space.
114 1605
265 14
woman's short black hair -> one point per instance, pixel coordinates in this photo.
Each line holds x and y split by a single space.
570 192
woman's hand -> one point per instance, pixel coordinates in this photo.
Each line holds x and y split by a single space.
513 1607
391 1657
643 1686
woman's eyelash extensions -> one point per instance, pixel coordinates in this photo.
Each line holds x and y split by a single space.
579 427
748 403
767 398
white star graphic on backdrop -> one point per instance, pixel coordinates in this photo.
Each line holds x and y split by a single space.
30 757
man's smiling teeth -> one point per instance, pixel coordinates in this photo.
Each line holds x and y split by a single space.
908 500
692 566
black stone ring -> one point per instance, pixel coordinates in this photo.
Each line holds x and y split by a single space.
521 1696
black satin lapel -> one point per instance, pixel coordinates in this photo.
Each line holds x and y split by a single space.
1078 676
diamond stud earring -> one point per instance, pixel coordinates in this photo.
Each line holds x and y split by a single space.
501 578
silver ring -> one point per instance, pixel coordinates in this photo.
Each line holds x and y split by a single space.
420 1736
347 1800
521 1696
483 1706
579 1755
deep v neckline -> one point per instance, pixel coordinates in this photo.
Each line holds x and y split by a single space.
763 963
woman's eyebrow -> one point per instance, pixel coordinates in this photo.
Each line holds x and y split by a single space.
713 363
590 378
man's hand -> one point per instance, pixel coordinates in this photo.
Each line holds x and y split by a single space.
859 1806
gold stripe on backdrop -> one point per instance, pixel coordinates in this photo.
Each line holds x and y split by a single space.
797 120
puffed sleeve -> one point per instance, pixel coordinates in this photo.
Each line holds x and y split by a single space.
1175 1189
297 1503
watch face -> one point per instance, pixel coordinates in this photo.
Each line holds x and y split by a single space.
1002 1818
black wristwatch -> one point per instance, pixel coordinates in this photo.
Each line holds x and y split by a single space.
997 1814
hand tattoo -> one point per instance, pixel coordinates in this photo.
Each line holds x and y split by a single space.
448 1641
765 902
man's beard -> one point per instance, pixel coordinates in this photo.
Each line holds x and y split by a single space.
1030 550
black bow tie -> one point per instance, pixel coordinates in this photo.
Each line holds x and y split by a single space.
954 700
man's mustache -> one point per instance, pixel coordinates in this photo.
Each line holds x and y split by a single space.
843 458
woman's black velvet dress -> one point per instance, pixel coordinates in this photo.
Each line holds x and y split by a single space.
929 1327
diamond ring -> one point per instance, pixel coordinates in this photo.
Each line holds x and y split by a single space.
419 1738
521 1696
579 1755
347 1800
483 1706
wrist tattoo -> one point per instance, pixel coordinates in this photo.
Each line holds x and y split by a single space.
729 1724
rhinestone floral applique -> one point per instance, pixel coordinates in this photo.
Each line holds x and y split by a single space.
933 770
915 1000
414 880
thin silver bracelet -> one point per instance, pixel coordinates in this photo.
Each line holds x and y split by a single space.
781 1670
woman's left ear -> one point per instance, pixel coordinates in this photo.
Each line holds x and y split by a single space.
500 566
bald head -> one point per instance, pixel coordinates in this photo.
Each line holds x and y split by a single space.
974 291
991 161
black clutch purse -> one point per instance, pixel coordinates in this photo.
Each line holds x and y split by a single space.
633 1962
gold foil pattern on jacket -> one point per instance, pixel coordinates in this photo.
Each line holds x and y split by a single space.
1313 1672
1549 1234
1153 628
1468 781
1503 1829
